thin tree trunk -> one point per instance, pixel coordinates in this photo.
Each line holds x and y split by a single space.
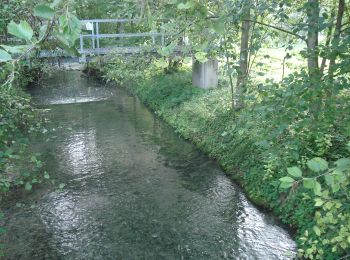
313 11
229 73
243 59
328 41
336 37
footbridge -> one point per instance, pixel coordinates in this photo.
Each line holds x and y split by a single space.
127 36
94 40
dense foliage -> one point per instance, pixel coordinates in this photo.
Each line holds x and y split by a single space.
19 167
19 120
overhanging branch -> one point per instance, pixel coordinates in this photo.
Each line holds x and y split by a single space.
279 29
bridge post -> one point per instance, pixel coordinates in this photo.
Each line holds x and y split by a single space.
205 75
81 43
98 38
93 36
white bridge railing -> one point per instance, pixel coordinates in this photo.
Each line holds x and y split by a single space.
93 26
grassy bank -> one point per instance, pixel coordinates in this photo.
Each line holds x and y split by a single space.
255 145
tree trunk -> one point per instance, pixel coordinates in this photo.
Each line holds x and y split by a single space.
243 58
328 41
336 37
313 11
229 74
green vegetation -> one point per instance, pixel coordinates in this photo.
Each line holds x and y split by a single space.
19 168
19 120
18 117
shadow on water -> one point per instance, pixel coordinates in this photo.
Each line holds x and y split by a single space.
134 189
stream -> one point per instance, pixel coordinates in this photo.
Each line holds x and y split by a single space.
133 188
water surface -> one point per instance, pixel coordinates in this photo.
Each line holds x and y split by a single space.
134 189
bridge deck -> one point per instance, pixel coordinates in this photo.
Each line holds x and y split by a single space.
100 51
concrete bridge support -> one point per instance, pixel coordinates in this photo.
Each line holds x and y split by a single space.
205 75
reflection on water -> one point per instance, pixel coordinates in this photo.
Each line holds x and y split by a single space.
134 189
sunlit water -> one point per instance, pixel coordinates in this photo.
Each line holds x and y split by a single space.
134 189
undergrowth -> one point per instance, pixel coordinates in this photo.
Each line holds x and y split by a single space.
19 119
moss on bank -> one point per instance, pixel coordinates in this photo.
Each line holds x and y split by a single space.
238 141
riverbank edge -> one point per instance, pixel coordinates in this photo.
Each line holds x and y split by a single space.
205 145
20 120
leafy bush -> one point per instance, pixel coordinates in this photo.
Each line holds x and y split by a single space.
19 119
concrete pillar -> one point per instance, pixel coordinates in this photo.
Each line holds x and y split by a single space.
205 75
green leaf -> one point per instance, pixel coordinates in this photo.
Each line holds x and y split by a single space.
201 56
318 202
15 49
63 21
317 188
287 179
317 164
339 175
329 180
4 56
44 11
21 30
46 175
42 31
295 172
61 186
335 187
317 230
61 38
286 182
309 183
343 163
74 24
28 186
286 185
65 45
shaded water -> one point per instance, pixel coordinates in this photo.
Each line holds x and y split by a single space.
134 189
